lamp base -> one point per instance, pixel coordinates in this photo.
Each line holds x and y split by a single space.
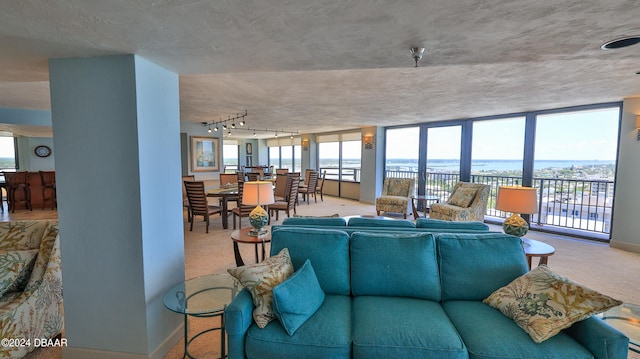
515 225
258 218
258 232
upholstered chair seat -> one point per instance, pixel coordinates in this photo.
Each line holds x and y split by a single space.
467 202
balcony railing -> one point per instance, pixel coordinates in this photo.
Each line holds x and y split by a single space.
577 204
347 175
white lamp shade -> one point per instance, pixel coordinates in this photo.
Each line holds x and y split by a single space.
517 199
257 193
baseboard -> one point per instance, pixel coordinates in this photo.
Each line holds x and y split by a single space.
631 247
158 353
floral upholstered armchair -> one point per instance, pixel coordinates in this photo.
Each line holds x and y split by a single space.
30 284
467 202
396 193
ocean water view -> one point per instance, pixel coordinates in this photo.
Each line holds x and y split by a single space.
449 165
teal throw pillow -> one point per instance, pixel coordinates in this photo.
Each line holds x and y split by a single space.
296 299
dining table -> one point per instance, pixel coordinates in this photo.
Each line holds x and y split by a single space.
226 194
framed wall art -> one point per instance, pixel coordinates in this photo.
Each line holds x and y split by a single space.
205 154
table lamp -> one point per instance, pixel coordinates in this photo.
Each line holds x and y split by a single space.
257 193
517 200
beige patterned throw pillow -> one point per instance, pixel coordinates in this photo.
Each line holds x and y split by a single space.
463 197
543 302
260 278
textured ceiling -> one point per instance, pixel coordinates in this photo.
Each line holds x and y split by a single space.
316 66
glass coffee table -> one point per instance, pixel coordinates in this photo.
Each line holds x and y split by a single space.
202 297
626 318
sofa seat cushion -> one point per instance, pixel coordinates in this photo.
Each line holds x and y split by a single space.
397 327
487 333
326 334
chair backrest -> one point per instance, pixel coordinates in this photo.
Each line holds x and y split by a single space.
312 181
292 183
324 175
306 175
240 176
401 187
184 191
282 171
482 193
253 176
281 186
196 196
228 178
48 178
15 178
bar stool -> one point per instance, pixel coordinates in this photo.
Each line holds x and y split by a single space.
17 181
48 179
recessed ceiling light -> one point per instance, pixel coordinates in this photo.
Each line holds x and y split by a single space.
621 42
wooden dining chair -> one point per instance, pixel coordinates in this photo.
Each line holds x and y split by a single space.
185 200
282 171
228 179
18 182
321 185
253 176
310 188
48 183
288 205
280 191
198 204
241 210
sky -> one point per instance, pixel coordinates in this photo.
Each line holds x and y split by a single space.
583 135
6 147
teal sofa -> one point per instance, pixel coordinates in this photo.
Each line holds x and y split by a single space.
407 294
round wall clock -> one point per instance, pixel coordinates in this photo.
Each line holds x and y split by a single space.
42 151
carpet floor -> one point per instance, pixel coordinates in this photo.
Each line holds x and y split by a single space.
593 264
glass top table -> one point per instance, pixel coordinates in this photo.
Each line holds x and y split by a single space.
202 297
626 318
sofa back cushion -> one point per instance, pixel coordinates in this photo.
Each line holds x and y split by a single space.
21 235
442 224
378 222
472 266
315 221
327 249
402 265
48 257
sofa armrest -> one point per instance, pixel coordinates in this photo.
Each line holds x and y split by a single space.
604 341
238 317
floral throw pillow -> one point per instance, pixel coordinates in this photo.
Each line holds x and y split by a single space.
15 269
463 197
543 302
260 279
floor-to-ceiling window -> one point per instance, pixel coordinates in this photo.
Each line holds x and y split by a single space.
497 154
340 156
230 151
574 168
568 155
285 153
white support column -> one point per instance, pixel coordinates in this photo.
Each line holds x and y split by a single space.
116 133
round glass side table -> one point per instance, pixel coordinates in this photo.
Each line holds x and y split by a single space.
202 297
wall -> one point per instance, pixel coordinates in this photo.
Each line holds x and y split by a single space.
27 159
195 129
625 232
372 165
